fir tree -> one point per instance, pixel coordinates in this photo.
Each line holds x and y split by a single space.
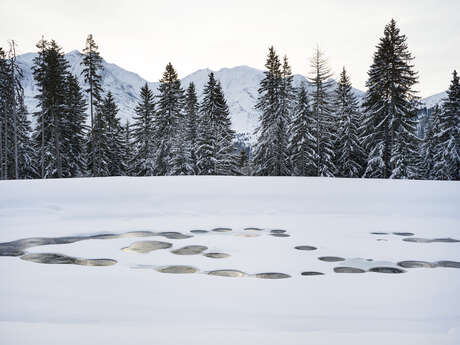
128 148
447 165
92 73
50 73
180 163
191 115
26 154
74 129
98 143
114 133
271 156
389 123
215 150
323 113
302 139
169 110
349 154
429 145
143 163
3 112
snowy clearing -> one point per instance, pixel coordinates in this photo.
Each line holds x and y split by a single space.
407 294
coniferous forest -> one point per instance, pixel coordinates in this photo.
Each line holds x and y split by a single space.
325 132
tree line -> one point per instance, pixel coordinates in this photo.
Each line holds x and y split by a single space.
321 130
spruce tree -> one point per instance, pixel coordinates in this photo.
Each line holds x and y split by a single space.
114 133
349 154
169 109
143 162
26 154
271 156
302 139
50 73
429 146
74 129
99 157
322 109
389 123
92 73
215 151
447 165
3 112
128 148
191 115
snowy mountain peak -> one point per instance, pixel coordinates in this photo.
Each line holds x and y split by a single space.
239 83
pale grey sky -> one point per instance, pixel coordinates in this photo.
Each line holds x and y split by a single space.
142 36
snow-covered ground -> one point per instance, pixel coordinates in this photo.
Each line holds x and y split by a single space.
131 302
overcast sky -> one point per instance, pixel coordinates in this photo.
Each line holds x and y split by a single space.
142 36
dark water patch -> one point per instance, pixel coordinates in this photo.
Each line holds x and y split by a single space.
198 231
228 273
415 264
280 235
379 233
445 240
311 273
217 255
278 231
105 236
190 250
382 239
305 248
331 258
343 269
60 259
403 233
221 229
96 262
177 269
253 229
146 246
272 275
173 235
430 240
447 263
386 270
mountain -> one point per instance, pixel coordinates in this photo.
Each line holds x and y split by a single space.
240 85
431 101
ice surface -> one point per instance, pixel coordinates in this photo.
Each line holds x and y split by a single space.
160 298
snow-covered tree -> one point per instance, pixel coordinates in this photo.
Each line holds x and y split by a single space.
26 152
114 132
169 110
429 146
143 162
92 73
447 166
349 154
323 113
191 115
271 154
389 124
302 139
128 148
180 163
74 129
14 128
50 73
215 151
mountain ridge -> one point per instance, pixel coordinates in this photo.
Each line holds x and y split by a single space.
239 84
